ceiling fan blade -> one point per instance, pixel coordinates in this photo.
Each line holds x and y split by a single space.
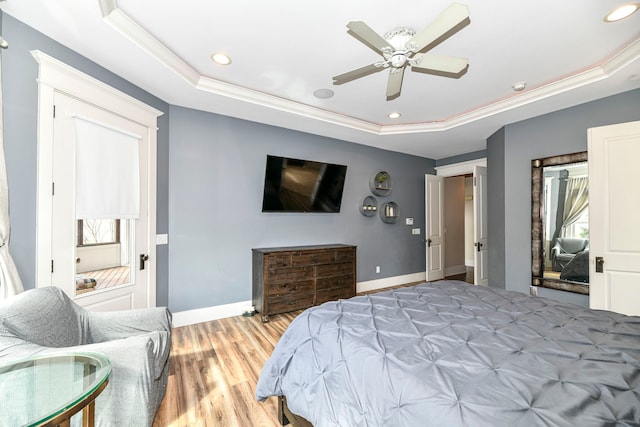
366 35
356 74
394 85
442 65
453 19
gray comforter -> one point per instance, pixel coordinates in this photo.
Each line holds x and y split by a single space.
452 354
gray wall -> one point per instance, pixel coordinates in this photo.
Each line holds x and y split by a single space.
20 97
496 209
216 179
474 155
509 159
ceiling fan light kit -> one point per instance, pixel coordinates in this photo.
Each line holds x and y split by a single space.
403 46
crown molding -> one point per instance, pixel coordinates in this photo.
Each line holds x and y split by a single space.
146 41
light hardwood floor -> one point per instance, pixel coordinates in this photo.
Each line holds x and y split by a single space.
214 368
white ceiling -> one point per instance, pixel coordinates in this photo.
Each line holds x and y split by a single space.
283 50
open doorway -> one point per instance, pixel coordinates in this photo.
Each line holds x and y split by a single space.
458 223
464 225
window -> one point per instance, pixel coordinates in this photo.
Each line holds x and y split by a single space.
98 232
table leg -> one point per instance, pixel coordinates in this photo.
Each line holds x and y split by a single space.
89 415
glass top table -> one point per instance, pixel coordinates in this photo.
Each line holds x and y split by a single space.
50 389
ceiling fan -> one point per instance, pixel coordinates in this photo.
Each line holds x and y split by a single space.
402 47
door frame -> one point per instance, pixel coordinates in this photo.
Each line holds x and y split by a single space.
56 76
460 168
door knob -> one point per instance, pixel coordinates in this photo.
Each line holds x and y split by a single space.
599 264
143 258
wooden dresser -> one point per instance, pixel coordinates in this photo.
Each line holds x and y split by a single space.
292 278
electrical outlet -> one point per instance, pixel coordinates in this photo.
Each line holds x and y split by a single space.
533 290
409 221
377 269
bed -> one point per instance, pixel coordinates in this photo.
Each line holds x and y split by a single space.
452 354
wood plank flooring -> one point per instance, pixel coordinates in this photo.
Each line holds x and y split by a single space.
214 368
106 278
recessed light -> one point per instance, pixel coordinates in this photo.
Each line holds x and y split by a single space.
622 12
323 93
221 58
394 115
518 87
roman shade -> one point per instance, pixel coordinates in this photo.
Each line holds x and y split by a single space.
107 171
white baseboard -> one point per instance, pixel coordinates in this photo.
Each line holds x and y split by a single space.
206 314
457 269
372 285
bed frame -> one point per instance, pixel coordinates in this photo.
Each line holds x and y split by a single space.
285 416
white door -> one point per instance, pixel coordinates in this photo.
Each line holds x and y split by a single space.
434 227
481 242
105 272
614 203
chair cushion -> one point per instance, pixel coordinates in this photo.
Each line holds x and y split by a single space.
43 316
572 245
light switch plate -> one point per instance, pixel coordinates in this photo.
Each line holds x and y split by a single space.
415 231
409 221
162 239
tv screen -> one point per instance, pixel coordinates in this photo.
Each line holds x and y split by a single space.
295 185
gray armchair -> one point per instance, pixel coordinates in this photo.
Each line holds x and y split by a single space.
565 249
137 342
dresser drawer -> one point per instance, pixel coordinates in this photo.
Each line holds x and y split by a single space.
345 255
345 282
285 275
278 260
332 294
301 287
312 258
289 303
334 269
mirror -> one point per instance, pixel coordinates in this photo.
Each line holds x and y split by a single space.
560 223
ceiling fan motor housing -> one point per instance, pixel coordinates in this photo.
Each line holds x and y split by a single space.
398 39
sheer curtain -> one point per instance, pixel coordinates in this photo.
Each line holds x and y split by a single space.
576 201
10 283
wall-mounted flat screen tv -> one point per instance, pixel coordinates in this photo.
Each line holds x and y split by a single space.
295 185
